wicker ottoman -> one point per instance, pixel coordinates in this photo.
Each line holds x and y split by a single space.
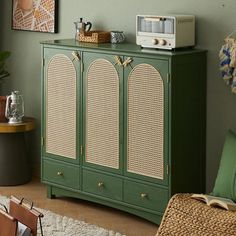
185 216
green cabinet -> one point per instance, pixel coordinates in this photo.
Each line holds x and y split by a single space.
122 126
102 112
61 99
61 174
146 119
102 184
145 195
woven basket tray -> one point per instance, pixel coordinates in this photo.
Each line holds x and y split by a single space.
95 37
185 216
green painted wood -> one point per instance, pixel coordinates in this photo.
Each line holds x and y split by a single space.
187 129
48 54
59 173
145 196
49 192
148 214
89 58
184 77
123 48
161 65
102 184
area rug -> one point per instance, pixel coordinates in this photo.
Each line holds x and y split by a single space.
57 225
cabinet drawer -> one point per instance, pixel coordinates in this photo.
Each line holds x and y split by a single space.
104 185
59 173
145 196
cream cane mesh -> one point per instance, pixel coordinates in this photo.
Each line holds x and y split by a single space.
145 122
61 107
102 114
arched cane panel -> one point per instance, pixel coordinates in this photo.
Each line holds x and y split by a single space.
145 155
61 107
102 114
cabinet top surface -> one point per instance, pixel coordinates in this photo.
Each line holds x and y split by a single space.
122 47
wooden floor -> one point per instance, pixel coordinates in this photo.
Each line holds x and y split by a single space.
105 217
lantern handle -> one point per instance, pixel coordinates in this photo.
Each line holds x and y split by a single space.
22 102
7 105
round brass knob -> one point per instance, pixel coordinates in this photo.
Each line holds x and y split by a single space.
143 195
100 184
59 173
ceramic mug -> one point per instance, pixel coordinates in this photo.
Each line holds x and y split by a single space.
117 36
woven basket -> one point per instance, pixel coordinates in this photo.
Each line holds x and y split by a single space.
94 37
185 216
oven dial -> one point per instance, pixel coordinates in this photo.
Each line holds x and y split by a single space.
154 41
162 42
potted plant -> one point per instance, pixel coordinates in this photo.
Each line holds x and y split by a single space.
3 73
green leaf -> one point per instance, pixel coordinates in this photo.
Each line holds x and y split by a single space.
4 55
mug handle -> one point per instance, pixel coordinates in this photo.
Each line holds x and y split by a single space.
123 36
89 25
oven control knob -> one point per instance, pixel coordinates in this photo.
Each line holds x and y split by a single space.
162 42
154 41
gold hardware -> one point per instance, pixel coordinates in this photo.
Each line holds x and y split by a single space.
76 56
59 173
117 61
143 195
127 62
100 184
81 150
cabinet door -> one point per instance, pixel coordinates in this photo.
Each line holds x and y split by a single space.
102 102
61 104
146 119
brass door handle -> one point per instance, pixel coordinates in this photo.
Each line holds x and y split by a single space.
143 195
75 55
59 173
127 62
100 184
118 61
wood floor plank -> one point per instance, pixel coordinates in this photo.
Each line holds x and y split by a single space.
92 213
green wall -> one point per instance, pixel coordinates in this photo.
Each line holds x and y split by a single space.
215 20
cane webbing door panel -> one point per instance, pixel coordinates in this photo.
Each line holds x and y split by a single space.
145 155
60 104
102 114
121 124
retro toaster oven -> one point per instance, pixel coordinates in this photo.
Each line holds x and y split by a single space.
165 32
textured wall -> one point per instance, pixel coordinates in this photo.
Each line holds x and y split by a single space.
214 21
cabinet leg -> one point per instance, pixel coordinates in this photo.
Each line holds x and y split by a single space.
49 193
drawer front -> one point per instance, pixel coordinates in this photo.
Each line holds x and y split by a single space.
103 185
145 196
59 173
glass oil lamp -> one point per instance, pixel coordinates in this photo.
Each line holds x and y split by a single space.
14 108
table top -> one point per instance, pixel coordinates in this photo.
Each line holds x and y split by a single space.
28 124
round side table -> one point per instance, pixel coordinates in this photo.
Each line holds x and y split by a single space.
14 163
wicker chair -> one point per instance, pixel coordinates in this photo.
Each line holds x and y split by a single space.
185 216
